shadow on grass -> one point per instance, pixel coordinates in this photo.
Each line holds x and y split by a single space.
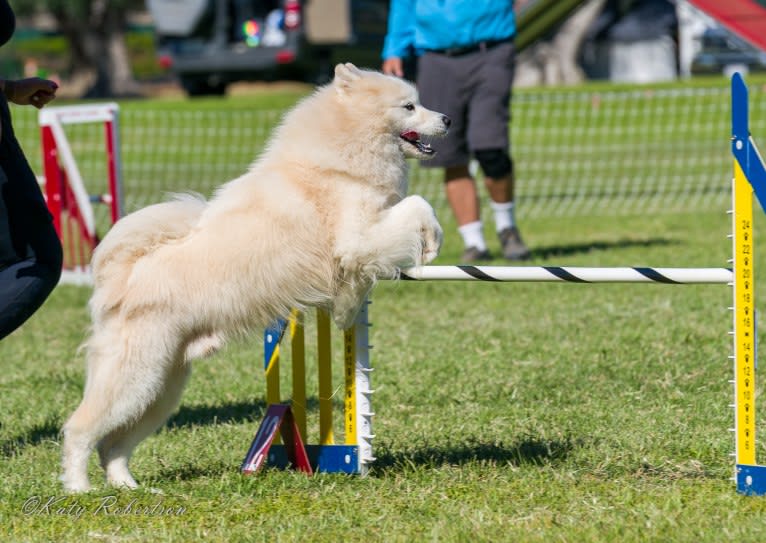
523 452
555 251
200 415
526 452
237 412
46 431
190 472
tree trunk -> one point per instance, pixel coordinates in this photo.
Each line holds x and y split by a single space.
81 70
554 61
567 42
122 81
99 62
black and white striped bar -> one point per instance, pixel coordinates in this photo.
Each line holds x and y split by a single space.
674 276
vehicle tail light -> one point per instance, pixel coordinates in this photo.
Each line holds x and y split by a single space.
165 61
292 14
285 57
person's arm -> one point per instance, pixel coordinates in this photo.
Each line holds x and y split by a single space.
400 36
6 87
33 91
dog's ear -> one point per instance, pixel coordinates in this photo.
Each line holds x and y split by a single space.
345 75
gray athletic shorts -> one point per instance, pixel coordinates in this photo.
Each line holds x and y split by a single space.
474 90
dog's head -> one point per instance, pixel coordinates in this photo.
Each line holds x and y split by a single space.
392 104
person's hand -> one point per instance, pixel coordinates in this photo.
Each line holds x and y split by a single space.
33 91
393 66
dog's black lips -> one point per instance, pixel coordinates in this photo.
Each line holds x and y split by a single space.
413 138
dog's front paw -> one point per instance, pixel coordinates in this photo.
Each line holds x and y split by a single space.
75 485
432 240
431 232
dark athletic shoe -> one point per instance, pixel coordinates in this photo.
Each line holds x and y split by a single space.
512 244
473 254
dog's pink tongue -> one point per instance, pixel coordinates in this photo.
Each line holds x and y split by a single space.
411 135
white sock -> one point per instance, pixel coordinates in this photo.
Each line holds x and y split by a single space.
503 215
473 236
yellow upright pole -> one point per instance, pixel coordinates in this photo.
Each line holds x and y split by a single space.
324 363
298 347
273 395
744 319
272 378
349 370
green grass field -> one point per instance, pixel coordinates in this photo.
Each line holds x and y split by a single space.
504 412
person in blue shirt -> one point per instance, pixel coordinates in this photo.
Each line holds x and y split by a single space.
466 61
30 251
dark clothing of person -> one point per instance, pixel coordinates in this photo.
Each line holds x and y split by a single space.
474 90
7 22
30 250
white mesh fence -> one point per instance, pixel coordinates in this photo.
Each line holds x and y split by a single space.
576 153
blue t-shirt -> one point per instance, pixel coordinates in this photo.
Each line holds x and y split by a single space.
444 24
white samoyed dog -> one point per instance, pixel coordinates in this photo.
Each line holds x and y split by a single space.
316 221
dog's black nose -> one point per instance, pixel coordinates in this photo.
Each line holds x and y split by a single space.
446 120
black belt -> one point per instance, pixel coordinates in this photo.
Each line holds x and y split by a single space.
468 49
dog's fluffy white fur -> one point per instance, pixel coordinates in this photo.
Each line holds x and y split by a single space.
316 220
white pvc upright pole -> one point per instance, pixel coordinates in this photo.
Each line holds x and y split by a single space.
363 391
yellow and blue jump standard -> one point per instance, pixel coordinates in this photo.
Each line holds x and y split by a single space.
354 455
749 178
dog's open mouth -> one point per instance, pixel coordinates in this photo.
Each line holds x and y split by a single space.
413 138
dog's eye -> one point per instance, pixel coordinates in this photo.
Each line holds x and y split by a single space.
409 106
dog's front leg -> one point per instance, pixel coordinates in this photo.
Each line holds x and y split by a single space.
407 234
415 216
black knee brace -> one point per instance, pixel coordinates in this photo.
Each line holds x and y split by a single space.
495 163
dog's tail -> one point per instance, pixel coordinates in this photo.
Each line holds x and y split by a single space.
131 238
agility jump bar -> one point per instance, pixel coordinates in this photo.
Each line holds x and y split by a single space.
674 276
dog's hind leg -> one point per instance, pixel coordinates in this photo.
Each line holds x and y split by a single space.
116 448
77 446
205 346
83 428
127 373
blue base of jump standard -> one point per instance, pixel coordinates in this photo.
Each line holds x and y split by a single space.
323 458
353 454
751 480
